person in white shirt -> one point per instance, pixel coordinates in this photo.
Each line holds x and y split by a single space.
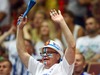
47 32
17 66
89 45
51 52
76 29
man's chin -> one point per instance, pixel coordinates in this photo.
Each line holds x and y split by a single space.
92 32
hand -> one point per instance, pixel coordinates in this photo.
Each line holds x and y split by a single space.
56 17
22 22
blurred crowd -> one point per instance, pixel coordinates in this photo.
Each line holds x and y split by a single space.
81 16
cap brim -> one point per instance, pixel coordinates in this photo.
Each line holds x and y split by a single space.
48 47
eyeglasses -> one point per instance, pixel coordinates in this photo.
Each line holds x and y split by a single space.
49 54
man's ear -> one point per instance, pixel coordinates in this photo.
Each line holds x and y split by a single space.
58 56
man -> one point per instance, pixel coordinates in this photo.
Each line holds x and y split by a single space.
76 29
17 67
5 66
80 64
81 7
51 52
89 45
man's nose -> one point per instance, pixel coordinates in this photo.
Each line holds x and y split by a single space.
75 62
1 69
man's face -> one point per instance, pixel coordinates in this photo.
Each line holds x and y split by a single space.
91 26
79 63
29 48
5 68
50 57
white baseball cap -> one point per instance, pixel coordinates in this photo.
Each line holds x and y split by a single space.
52 44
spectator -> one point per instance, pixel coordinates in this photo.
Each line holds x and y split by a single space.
5 66
96 11
4 13
18 68
79 9
51 52
34 30
3 52
46 34
76 29
80 65
89 45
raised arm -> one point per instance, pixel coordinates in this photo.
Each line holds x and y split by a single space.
24 56
70 51
6 34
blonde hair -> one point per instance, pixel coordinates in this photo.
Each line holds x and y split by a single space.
52 30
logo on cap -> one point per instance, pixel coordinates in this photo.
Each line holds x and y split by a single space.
47 43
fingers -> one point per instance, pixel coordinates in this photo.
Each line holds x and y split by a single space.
54 12
26 18
21 18
59 12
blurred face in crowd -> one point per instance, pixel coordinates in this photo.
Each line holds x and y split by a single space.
50 57
5 68
68 18
44 29
29 47
39 17
91 26
79 63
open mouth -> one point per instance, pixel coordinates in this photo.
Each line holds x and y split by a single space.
45 58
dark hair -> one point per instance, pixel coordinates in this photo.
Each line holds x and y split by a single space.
69 13
2 59
93 18
29 41
2 50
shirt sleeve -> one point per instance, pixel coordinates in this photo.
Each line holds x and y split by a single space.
65 66
33 65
